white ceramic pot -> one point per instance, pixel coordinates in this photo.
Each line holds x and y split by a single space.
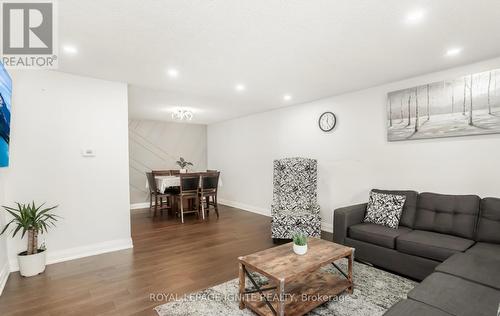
300 250
31 265
183 171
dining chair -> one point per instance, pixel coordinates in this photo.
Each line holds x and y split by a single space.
158 196
209 184
174 172
161 172
189 184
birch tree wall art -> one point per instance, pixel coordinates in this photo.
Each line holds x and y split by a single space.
469 105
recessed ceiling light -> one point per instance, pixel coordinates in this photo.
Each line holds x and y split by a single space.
453 51
415 16
287 97
70 49
240 87
173 73
182 114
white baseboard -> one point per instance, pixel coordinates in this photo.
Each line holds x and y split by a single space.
4 275
80 252
245 207
136 206
325 226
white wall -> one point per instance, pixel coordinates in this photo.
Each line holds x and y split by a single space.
54 116
355 157
155 145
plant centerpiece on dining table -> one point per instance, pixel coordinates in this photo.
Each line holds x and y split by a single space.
183 164
33 220
300 243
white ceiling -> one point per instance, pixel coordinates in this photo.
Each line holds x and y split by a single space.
308 48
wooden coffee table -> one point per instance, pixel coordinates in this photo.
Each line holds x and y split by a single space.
296 284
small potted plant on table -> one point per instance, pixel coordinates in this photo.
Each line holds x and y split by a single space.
31 219
300 243
183 164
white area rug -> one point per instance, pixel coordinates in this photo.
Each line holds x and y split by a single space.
374 292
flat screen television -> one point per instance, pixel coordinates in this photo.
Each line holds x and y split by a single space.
5 103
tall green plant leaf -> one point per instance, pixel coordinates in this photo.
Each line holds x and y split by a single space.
29 216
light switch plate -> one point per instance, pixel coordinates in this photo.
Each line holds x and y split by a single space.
88 152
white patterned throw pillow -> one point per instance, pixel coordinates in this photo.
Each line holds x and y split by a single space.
384 209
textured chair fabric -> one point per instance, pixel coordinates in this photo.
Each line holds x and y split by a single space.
295 208
410 207
448 214
488 227
431 245
377 234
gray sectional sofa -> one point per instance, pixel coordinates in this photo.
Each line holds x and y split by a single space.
451 242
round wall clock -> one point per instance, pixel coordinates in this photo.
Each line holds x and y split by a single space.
327 121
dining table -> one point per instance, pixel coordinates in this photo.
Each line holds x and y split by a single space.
164 182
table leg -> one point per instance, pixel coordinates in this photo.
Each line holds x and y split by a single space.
175 206
242 285
350 290
281 295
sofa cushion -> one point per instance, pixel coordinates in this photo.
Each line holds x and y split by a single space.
431 245
485 249
412 308
377 234
488 228
417 268
456 296
447 214
409 208
473 267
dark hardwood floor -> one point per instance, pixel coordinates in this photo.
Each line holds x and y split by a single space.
167 258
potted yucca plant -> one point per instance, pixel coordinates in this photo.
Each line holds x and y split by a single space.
183 164
300 243
32 220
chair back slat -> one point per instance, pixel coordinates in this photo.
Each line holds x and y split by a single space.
161 172
189 182
151 182
209 181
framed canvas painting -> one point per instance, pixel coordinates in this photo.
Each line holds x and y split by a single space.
468 105
5 105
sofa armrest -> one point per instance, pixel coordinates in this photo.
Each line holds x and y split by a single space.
345 217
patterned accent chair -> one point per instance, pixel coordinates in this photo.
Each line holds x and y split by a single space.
295 208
